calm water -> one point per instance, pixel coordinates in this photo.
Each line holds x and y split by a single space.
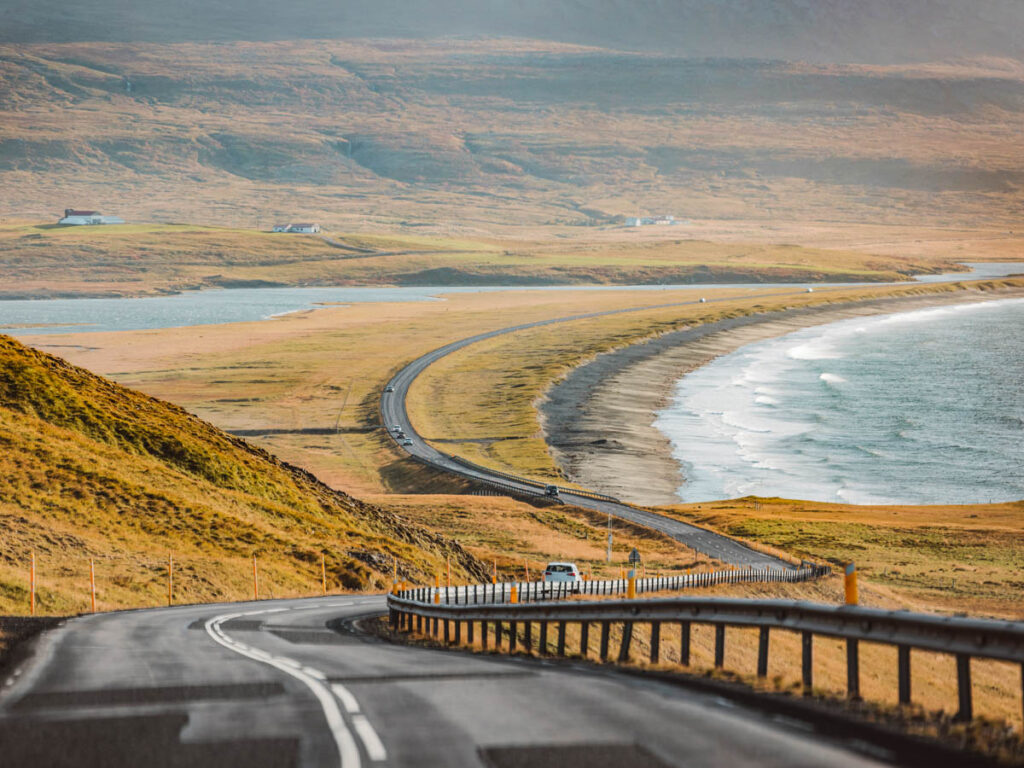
248 304
921 407
232 305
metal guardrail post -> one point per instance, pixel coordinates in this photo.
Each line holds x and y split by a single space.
447 637
469 632
903 662
684 643
561 639
458 632
627 641
963 685
763 639
655 642
483 635
606 627
853 669
513 636
719 645
585 643
542 640
527 636
807 661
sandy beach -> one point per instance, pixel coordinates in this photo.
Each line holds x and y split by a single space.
599 420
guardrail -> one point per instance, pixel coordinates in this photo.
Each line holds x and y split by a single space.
963 638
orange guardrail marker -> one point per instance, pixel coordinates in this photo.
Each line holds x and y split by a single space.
850 583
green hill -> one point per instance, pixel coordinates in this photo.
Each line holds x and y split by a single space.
89 469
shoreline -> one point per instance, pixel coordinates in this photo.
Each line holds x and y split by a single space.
598 421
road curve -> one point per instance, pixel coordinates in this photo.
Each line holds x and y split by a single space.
394 413
283 683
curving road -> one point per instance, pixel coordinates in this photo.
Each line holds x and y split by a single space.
284 683
394 414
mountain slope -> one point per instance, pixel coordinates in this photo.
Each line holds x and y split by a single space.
817 30
89 469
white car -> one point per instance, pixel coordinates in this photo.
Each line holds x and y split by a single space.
560 573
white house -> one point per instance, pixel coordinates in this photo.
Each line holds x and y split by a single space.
81 218
307 229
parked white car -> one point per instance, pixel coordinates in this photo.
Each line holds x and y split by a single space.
559 573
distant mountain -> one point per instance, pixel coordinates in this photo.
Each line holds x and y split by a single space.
879 31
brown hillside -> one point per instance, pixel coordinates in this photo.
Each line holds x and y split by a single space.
89 469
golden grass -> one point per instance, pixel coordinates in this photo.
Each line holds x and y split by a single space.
949 558
517 536
89 469
134 259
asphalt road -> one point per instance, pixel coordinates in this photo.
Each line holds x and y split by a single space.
275 683
394 414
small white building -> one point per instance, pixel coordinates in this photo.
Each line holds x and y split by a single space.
77 218
306 229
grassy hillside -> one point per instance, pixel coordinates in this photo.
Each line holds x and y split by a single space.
38 261
484 136
89 469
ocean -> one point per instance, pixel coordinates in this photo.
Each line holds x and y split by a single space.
922 407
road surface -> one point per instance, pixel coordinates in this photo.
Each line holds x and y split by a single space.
274 683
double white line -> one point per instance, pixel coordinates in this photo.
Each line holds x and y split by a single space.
329 696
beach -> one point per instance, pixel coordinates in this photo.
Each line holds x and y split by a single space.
599 420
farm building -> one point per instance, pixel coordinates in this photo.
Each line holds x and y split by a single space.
309 229
73 217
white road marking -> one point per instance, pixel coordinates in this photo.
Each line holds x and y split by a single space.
348 752
346 698
374 747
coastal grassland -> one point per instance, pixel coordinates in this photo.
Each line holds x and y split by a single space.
139 259
515 535
954 558
305 386
89 469
481 400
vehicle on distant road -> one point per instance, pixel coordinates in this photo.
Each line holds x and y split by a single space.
388 388
551 490
561 573
407 441
703 300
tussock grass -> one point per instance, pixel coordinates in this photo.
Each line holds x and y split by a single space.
89 469
515 536
953 558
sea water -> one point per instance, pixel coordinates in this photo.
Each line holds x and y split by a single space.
19 317
922 407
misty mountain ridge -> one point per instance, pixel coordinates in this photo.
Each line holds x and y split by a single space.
822 31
